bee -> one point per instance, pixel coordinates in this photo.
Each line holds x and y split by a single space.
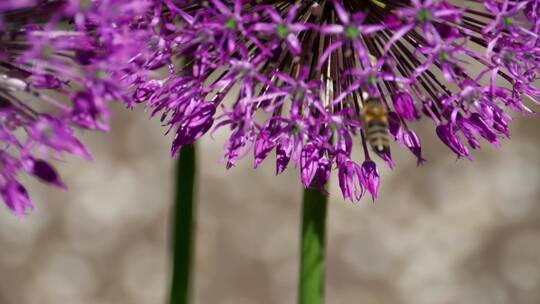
374 116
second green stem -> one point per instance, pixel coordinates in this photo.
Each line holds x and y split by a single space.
183 227
312 264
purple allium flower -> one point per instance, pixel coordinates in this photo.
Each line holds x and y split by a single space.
80 51
295 76
289 75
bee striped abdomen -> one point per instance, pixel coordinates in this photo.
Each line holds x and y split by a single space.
375 120
377 136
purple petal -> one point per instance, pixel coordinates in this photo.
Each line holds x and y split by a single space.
412 141
369 176
404 105
450 138
45 172
283 154
263 146
16 198
341 12
58 136
349 180
309 163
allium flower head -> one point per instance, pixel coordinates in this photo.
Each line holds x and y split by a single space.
320 82
61 63
297 76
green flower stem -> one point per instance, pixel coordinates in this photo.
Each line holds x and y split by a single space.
183 227
313 246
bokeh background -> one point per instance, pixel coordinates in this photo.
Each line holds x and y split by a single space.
448 232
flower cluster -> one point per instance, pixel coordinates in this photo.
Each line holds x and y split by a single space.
303 78
61 63
295 76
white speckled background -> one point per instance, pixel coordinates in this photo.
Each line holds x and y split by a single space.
449 232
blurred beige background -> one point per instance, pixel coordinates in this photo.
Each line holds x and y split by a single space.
449 232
